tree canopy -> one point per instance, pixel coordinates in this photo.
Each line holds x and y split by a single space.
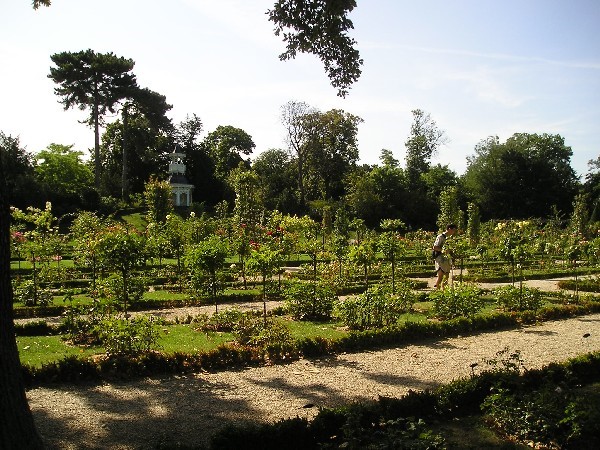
93 81
524 177
19 179
61 170
320 27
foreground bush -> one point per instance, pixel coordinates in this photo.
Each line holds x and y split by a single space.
308 301
121 336
522 298
553 415
266 334
462 300
375 308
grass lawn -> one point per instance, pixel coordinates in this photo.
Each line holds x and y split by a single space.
39 350
309 329
185 339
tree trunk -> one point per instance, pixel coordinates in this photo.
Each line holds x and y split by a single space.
301 180
124 174
97 162
17 429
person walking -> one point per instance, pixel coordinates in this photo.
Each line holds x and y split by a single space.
443 262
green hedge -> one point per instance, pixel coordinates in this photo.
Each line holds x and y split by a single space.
234 356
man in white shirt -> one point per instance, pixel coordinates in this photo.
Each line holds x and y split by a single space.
443 262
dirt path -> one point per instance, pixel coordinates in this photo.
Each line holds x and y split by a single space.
189 409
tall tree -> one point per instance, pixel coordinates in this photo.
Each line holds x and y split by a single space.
276 170
292 114
524 177
320 27
592 188
159 200
200 168
187 132
379 192
248 206
424 139
60 169
225 146
93 81
137 146
331 150
64 179
17 428
38 3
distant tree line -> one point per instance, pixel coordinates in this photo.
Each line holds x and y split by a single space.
316 172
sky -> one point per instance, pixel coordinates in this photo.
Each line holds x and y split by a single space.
480 68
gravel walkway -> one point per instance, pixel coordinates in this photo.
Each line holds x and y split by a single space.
189 409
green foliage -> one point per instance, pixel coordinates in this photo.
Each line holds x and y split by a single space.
506 361
400 433
425 137
586 284
27 292
320 28
375 308
291 434
225 146
158 198
82 324
552 415
533 168
62 171
205 262
266 334
224 320
579 218
463 300
449 209
129 337
306 301
473 223
93 81
523 298
111 288
36 328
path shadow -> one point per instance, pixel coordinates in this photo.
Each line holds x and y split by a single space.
540 332
587 319
406 381
316 394
181 411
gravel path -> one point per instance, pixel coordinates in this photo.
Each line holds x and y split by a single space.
189 409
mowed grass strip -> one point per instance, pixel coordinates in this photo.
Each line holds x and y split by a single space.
36 351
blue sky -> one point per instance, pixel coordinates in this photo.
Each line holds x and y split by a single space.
479 67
